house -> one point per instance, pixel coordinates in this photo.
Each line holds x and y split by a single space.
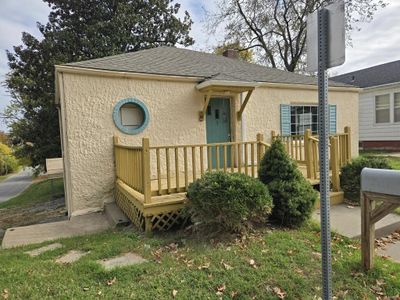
174 113
379 105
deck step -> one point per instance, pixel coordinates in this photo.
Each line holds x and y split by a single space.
335 198
115 215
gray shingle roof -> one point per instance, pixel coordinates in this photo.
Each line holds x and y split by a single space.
373 76
184 62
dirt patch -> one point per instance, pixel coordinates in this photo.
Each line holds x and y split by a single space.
50 211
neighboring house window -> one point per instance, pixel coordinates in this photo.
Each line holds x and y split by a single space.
296 119
302 118
397 107
382 108
131 116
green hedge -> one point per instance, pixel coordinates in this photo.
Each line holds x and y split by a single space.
224 202
350 177
293 196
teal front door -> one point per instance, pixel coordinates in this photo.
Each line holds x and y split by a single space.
219 128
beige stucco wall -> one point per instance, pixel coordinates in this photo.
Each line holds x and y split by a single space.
262 113
87 103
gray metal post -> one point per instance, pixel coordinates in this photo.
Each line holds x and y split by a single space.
323 127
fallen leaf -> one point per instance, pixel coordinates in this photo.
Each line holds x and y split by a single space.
226 266
220 289
111 281
5 294
234 294
174 292
205 266
279 292
252 263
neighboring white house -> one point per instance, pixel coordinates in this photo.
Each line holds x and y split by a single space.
379 105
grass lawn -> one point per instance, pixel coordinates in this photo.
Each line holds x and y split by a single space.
36 193
257 266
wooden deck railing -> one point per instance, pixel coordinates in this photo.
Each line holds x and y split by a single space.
162 170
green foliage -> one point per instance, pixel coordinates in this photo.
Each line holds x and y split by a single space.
8 163
350 177
293 196
226 202
78 30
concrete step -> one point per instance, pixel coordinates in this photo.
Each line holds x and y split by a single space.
334 197
115 215
346 220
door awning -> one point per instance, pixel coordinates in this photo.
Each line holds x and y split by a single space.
220 87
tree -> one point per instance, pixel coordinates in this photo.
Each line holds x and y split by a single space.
276 30
244 54
78 30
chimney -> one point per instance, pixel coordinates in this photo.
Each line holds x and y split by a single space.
231 53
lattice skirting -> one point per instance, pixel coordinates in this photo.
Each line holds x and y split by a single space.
161 222
130 209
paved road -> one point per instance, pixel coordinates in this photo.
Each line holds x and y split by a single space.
15 184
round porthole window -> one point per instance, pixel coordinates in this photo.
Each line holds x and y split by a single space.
131 116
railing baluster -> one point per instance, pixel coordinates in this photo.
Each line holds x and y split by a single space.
194 163
225 157
185 160
239 154
246 158
201 160
232 158
209 158
217 157
252 160
177 168
158 170
168 170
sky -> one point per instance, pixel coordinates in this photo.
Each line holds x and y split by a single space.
377 42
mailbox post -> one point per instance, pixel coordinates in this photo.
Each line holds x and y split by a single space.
376 185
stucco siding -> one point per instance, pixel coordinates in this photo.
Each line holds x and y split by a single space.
87 103
262 113
369 129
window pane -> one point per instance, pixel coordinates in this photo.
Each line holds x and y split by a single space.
382 108
302 118
397 107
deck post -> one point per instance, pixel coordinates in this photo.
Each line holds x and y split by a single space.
260 139
335 163
307 153
347 130
146 170
273 135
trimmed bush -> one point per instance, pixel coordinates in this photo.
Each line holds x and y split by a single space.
225 202
350 177
293 196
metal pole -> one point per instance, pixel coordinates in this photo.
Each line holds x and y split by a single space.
323 127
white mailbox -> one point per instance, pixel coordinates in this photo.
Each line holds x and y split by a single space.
380 181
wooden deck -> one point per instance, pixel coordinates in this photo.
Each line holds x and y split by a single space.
152 195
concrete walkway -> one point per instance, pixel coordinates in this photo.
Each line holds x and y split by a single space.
76 226
346 220
15 184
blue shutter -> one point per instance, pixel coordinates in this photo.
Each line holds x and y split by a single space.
285 119
332 118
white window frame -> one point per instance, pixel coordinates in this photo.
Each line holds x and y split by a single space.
390 109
